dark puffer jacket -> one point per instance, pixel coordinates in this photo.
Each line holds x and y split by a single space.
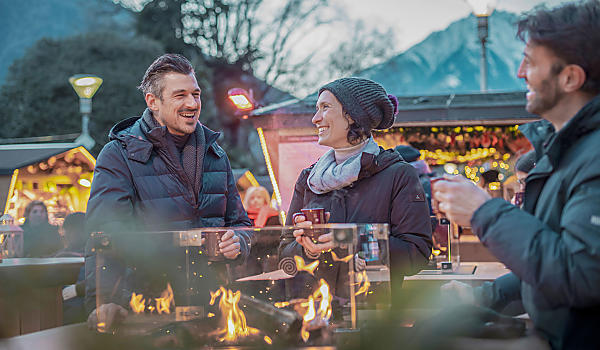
553 245
387 191
135 189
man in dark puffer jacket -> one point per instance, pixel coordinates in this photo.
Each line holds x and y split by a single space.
161 171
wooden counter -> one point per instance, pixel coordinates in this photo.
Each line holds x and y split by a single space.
31 293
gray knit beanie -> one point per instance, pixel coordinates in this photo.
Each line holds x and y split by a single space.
367 102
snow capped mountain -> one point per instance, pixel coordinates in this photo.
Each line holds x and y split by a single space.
448 61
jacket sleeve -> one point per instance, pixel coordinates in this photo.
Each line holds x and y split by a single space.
235 215
499 293
110 207
410 230
563 266
288 246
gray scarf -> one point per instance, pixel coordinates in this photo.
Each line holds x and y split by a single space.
327 175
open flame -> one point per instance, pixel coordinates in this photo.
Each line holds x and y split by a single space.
301 265
162 304
363 281
233 318
313 314
344 259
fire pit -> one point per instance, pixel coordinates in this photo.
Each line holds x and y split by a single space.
177 294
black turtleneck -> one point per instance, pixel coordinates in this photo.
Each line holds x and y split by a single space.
180 141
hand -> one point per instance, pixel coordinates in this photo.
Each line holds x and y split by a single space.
455 291
325 240
359 263
458 198
105 317
230 245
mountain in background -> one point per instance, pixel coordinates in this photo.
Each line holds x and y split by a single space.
448 61
24 22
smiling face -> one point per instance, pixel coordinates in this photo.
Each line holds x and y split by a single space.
541 69
179 108
332 125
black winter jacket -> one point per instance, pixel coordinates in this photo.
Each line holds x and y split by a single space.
553 245
135 189
388 190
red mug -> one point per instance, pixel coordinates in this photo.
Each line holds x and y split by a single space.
317 217
519 196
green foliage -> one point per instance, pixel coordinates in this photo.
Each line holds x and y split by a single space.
38 99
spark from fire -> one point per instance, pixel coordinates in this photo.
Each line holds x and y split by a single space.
233 318
364 280
301 265
281 304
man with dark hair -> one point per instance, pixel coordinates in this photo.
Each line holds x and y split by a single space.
552 246
163 171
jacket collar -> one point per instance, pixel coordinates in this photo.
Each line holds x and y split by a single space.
132 134
546 141
371 164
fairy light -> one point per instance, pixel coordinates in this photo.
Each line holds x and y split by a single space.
263 146
11 188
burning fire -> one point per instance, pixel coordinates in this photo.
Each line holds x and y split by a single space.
364 280
322 314
301 265
344 259
162 304
233 318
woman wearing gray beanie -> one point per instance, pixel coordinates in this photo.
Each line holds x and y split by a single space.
357 181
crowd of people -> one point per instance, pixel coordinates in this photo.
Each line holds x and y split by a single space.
164 170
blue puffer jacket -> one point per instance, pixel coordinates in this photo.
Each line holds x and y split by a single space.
136 190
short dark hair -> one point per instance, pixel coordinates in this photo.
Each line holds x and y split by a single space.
572 32
167 63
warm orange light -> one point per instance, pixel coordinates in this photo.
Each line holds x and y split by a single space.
137 303
233 319
163 303
322 314
241 102
301 266
363 282
281 304
345 259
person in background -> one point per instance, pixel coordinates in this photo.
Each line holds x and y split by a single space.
523 166
40 238
552 244
73 295
357 181
256 202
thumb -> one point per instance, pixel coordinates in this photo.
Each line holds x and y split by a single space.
327 216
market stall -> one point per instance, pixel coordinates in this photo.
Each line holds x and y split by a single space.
59 174
468 133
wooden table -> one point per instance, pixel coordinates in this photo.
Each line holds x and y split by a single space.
31 293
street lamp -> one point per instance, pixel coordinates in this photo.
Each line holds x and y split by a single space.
85 85
482 9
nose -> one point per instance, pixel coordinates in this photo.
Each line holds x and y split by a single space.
522 72
192 102
317 118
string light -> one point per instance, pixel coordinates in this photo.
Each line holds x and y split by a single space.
263 146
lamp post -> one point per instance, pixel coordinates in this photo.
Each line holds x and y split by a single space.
482 9
85 85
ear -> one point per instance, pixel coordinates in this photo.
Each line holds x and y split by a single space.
572 78
151 102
